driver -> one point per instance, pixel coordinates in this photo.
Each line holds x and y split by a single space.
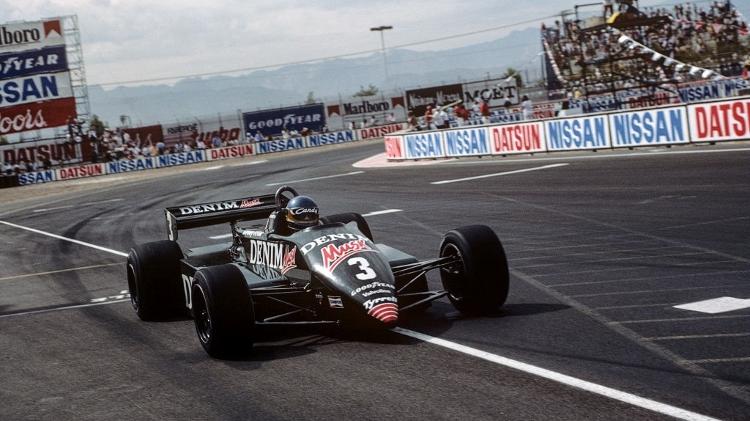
301 212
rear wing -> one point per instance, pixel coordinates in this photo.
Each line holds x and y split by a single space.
205 214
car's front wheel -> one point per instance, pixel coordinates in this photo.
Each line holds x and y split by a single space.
477 283
223 311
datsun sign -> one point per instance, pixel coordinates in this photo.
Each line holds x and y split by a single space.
394 147
720 121
517 138
230 152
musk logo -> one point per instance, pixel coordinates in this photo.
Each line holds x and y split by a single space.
333 254
249 203
289 261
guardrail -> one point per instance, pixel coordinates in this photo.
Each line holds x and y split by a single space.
197 156
712 121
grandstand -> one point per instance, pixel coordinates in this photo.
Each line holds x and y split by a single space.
595 49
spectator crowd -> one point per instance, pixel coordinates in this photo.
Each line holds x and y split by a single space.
591 59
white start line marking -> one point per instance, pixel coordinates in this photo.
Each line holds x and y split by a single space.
497 174
716 305
487 356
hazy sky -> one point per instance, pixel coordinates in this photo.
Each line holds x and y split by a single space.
141 39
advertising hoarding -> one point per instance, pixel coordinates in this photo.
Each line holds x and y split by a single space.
272 122
494 91
280 145
424 145
32 62
660 126
37 115
331 138
394 147
35 88
517 138
27 35
467 141
379 131
361 111
582 133
226 127
417 100
720 121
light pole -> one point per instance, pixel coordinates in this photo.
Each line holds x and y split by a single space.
381 29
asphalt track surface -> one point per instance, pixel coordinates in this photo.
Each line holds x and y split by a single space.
600 251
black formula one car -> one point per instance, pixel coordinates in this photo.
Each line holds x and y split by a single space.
296 268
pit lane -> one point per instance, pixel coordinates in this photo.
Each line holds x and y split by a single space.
600 251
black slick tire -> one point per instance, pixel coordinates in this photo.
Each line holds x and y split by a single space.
478 283
223 311
155 281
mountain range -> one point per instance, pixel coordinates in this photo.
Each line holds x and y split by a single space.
325 81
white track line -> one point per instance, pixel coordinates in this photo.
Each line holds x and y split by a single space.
721 360
245 164
316 178
560 378
678 319
27 275
382 212
215 167
497 359
651 291
544 167
49 310
685 337
60 237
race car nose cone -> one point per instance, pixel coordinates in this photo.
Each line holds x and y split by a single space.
385 312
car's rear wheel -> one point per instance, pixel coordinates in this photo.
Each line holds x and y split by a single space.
223 311
478 282
345 218
154 280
